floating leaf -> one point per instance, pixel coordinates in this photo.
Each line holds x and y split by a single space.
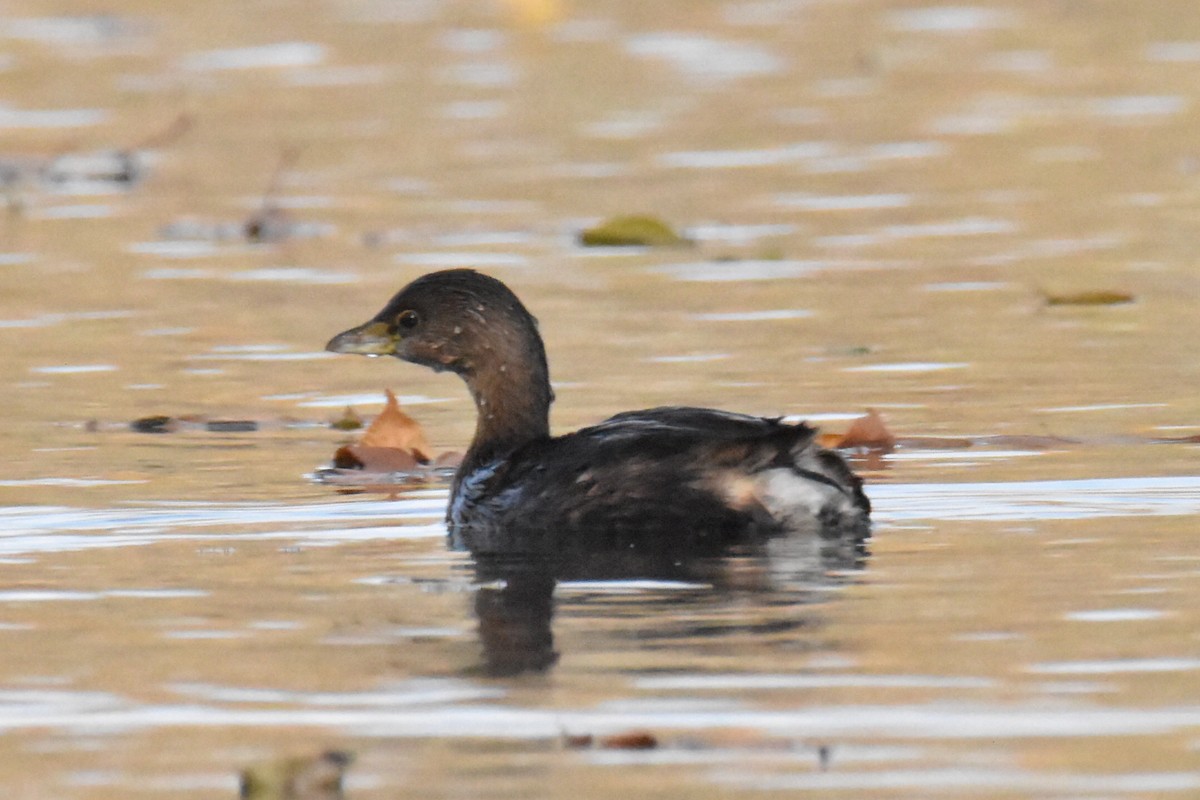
631 231
395 429
394 443
630 740
1097 298
851 350
349 421
868 431
159 423
830 441
306 778
375 459
580 741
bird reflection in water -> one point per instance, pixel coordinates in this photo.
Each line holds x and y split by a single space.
515 598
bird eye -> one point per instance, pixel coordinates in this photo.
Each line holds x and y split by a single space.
407 320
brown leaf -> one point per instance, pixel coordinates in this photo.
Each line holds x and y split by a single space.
395 429
630 740
375 459
344 458
869 431
830 441
577 741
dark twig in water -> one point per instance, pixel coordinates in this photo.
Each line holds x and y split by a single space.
270 223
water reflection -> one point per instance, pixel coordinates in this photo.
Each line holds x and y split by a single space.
515 601
515 605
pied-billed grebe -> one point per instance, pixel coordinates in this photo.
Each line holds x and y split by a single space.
689 480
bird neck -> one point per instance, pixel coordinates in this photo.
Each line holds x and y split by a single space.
512 401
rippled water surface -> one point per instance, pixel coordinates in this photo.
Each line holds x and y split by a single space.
881 197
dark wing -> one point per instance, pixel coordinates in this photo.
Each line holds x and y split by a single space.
728 439
685 421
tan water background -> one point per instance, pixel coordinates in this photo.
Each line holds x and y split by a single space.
882 195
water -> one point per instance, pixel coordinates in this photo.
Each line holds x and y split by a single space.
880 200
